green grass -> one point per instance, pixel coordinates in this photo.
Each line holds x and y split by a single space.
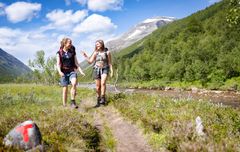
232 84
62 129
109 142
169 124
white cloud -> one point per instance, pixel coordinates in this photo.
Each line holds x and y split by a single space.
103 5
98 5
6 32
91 29
24 44
64 20
67 2
95 23
81 2
21 11
86 42
2 5
7 36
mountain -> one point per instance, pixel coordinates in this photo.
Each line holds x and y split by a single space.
135 34
11 67
138 32
201 48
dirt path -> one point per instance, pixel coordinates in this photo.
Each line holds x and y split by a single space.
128 137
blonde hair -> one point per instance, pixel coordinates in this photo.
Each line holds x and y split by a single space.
102 45
64 42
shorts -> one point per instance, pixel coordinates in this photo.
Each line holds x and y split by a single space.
66 79
97 72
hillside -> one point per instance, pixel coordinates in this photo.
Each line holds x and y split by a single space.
201 47
128 38
134 34
11 67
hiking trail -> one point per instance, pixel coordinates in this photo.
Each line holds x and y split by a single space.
128 137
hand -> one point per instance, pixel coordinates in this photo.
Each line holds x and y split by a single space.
82 73
111 73
84 54
61 74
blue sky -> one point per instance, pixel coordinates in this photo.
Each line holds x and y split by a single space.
32 25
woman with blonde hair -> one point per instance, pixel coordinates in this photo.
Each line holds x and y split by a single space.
102 68
67 66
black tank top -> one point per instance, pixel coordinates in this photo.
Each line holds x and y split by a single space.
67 60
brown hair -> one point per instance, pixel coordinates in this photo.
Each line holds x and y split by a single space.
102 45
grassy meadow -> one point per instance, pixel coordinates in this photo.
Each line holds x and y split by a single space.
169 124
62 129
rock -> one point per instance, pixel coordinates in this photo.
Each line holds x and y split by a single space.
178 89
25 136
168 88
234 87
199 127
194 90
218 92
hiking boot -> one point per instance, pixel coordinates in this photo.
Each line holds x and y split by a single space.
73 104
98 102
103 100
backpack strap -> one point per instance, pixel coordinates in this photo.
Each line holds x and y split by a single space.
60 52
105 52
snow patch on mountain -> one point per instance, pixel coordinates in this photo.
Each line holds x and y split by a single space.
138 32
134 34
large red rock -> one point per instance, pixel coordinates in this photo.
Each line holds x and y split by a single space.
25 136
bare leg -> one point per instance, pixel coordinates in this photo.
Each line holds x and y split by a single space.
73 92
74 88
103 84
64 95
98 87
98 91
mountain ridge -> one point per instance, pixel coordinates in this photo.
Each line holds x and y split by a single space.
134 34
138 32
10 66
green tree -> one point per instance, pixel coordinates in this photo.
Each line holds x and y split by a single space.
234 12
44 70
201 47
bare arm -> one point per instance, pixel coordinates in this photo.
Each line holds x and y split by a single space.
91 58
78 66
59 66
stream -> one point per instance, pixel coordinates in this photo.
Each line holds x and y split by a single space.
229 98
